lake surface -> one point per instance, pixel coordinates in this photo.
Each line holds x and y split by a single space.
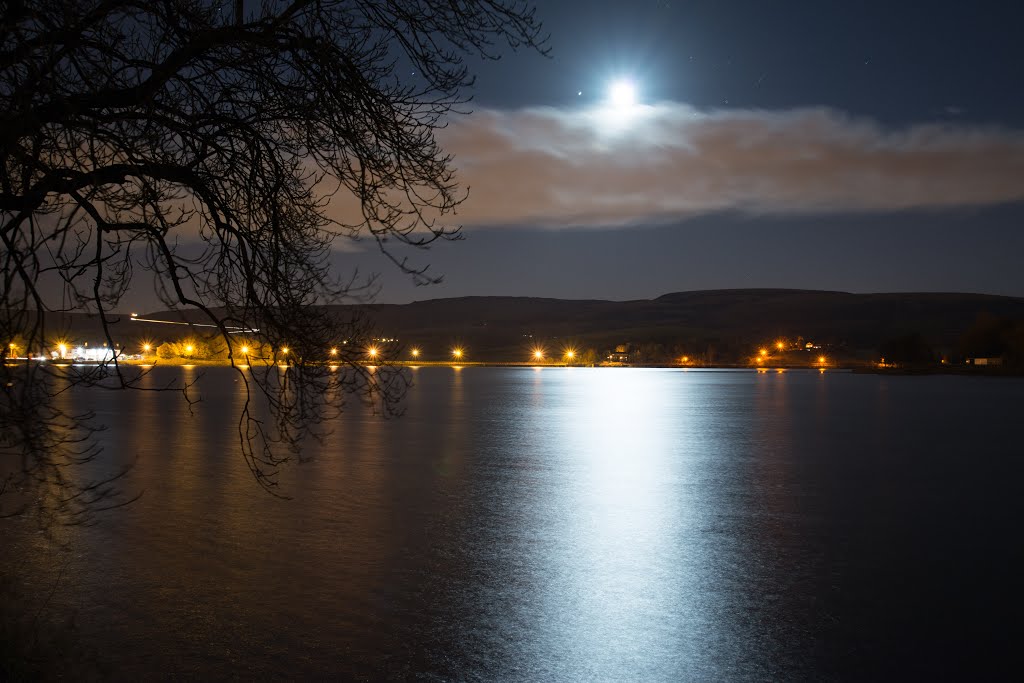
554 524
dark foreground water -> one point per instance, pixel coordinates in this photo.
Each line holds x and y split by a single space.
564 524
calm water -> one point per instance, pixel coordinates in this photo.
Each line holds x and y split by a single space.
565 524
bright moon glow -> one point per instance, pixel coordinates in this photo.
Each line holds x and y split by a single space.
620 108
622 94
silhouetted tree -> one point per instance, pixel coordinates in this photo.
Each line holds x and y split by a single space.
650 352
908 349
993 336
201 141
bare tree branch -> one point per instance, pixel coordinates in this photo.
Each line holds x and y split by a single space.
202 141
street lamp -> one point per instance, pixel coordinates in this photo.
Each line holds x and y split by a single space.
457 353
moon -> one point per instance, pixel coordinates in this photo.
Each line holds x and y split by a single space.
622 94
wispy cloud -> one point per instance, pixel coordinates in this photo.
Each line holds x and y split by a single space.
557 168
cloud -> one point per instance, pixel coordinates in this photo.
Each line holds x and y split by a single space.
560 168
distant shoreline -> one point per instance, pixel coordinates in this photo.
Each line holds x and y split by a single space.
966 371
962 370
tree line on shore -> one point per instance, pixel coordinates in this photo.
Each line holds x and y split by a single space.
990 337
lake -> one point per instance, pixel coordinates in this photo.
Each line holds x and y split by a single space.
578 524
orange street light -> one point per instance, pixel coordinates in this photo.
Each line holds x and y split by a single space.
457 353
570 354
334 351
245 350
821 359
763 352
538 354
189 348
284 350
372 351
146 348
415 353
780 345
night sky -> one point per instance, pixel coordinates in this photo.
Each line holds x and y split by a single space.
868 146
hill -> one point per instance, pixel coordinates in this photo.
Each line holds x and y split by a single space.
729 322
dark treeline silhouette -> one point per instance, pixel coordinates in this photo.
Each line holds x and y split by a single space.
994 336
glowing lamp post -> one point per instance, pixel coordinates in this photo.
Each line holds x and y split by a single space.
457 354
415 353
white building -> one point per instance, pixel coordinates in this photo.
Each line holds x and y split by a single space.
96 354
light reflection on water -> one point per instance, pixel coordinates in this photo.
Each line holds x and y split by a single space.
550 524
616 545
